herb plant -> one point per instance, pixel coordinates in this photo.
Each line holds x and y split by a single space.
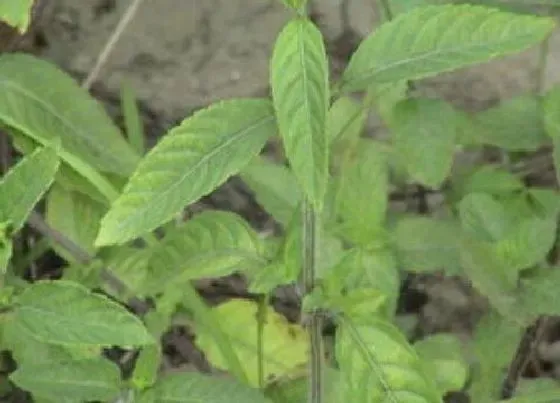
111 213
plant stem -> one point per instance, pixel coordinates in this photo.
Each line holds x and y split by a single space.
261 321
314 322
541 72
386 9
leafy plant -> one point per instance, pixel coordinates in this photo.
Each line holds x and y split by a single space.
112 208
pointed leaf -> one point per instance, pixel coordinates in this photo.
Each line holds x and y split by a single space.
442 356
24 184
424 133
377 364
29 104
16 13
275 188
192 160
94 379
434 39
284 348
193 387
61 312
212 244
427 244
299 80
362 195
487 179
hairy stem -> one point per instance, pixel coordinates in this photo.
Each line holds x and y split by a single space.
314 322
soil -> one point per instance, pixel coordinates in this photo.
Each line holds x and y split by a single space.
183 55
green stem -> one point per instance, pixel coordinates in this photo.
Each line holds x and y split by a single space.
541 72
261 321
386 9
314 323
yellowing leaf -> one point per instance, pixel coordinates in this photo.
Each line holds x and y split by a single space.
284 344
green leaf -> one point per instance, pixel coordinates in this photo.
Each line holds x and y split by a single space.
132 119
74 215
427 244
488 179
424 133
275 188
377 364
372 269
450 37
65 313
528 243
537 295
300 92
193 387
484 217
493 355
514 125
24 184
386 96
362 195
295 4
442 357
93 379
192 160
29 105
212 244
539 390
16 13
146 367
490 276
285 345
130 265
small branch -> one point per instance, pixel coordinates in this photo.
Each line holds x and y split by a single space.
531 338
110 45
36 222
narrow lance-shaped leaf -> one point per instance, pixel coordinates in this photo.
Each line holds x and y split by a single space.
424 133
81 380
434 39
24 184
191 161
299 80
29 104
61 312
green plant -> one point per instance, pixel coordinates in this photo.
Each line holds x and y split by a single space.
342 242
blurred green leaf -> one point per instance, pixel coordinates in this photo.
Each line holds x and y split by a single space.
275 188
442 357
424 133
16 13
94 379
